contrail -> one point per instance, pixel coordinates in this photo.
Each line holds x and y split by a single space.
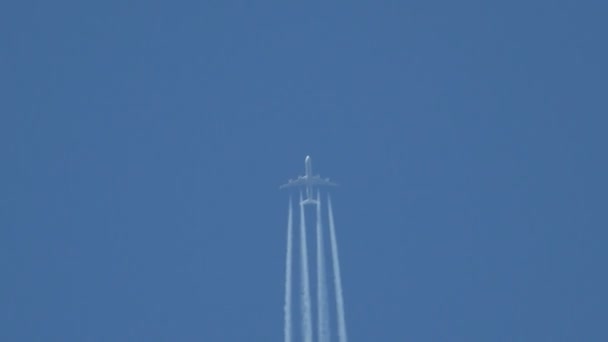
306 314
322 311
287 308
337 279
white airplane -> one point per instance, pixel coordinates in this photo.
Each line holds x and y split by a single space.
308 181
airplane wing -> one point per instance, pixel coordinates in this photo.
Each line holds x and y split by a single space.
321 181
294 182
308 181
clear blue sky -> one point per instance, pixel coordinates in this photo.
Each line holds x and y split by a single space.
142 144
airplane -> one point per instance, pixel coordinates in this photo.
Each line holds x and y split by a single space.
308 181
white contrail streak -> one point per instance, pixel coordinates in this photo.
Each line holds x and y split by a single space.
322 310
306 312
337 279
287 308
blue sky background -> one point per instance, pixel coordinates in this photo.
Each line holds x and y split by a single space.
142 144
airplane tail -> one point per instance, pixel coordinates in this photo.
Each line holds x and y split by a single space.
309 201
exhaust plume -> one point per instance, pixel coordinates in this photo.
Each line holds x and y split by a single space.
337 278
322 310
288 332
306 311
